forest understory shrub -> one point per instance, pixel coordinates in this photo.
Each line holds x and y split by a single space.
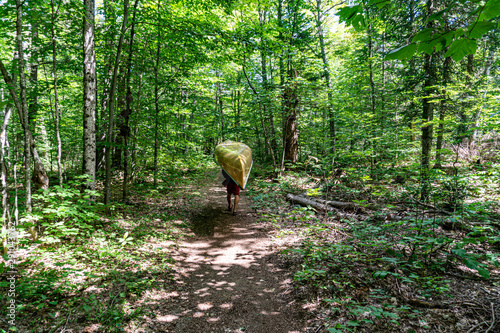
385 271
91 263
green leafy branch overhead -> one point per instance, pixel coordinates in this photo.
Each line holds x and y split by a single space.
460 41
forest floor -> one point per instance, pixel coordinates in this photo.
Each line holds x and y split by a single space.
227 276
173 259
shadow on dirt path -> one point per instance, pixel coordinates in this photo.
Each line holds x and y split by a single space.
228 278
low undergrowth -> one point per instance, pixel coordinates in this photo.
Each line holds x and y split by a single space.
402 264
92 267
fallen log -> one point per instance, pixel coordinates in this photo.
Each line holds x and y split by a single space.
307 202
341 205
337 204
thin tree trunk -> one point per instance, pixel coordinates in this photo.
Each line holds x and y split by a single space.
89 96
107 195
443 106
327 77
157 106
24 105
463 125
126 116
290 103
486 73
39 174
56 99
427 114
266 137
238 112
6 218
33 105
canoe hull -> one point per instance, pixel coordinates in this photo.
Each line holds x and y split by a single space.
236 159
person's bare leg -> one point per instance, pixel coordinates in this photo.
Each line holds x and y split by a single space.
229 201
236 200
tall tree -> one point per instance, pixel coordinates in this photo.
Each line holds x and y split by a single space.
427 109
107 188
54 14
24 104
125 129
4 166
89 95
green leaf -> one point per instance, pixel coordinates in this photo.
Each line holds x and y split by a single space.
480 28
459 32
490 10
444 40
471 263
483 272
358 22
460 48
438 15
459 252
379 3
401 53
347 13
380 274
422 35
427 47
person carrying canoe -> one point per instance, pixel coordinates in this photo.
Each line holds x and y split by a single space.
232 188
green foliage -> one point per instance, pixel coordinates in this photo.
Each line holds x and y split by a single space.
66 211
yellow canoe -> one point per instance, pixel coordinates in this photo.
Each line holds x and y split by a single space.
236 159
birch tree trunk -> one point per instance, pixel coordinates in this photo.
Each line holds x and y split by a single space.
89 95
6 218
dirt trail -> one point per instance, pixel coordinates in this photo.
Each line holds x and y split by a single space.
229 278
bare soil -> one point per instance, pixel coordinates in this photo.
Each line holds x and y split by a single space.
228 278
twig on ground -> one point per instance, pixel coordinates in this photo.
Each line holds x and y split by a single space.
493 319
476 326
418 202
67 319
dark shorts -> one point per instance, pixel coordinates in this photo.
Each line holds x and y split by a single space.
232 188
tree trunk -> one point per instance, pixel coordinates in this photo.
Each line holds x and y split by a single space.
327 77
486 73
4 166
266 136
89 96
125 130
107 189
33 105
427 114
238 112
290 104
121 95
157 106
39 175
443 106
24 105
463 125
56 98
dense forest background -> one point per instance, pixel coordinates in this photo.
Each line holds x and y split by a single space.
376 101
